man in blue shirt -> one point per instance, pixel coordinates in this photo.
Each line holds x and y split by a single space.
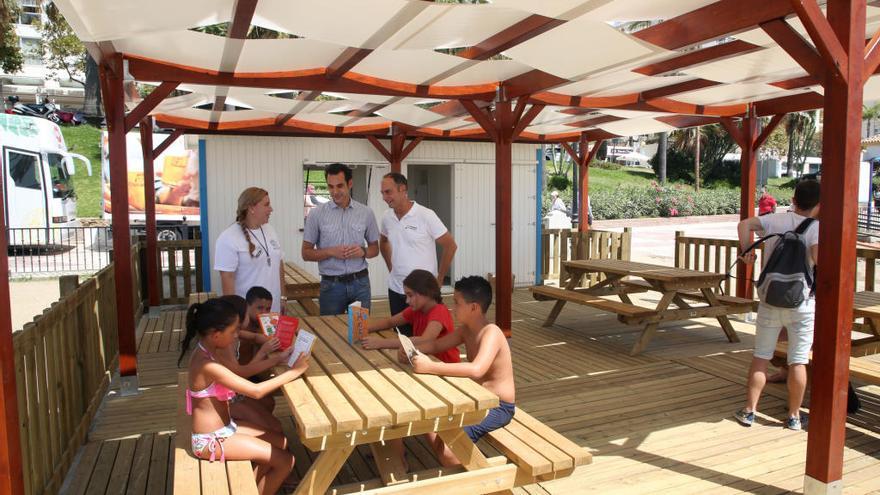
340 235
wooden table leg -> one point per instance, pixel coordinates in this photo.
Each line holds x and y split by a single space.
389 463
323 471
557 308
467 452
732 337
650 328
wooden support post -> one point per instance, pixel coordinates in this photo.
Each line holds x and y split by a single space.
748 185
152 254
11 470
398 151
503 125
114 105
841 154
503 215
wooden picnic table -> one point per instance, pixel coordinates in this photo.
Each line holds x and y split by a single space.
866 305
301 286
675 284
350 396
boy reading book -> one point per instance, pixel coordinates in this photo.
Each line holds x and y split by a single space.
259 300
429 317
257 411
489 359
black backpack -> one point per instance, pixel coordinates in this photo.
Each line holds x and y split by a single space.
787 279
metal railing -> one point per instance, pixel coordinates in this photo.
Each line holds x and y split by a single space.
58 249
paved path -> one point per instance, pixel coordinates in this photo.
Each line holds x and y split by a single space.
654 241
30 298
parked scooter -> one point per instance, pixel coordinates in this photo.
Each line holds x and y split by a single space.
45 110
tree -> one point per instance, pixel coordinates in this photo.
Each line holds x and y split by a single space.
662 151
869 113
63 50
800 128
680 163
11 58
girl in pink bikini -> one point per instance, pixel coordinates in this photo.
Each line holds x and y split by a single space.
215 435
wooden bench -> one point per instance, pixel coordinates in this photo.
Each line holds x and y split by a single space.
860 369
199 297
693 295
193 476
546 293
539 452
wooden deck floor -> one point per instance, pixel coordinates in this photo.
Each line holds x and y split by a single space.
659 422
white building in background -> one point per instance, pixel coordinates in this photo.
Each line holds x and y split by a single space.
35 81
456 179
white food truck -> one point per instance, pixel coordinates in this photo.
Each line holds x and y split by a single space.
38 192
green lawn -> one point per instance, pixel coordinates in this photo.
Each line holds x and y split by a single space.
86 140
603 179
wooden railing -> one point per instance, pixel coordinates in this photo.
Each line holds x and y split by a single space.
559 245
63 363
180 271
717 255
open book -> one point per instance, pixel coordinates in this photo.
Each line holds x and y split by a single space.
357 322
268 323
302 345
408 347
286 329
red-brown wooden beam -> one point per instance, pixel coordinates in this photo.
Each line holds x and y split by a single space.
111 74
149 103
872 57
835 286
745 136
152 257
820 31
11 469
504 215
399 149
713 21
176 133
795 46
523 30
711 54
305 80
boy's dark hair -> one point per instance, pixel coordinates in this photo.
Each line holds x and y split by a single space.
397 177
238 303
475 289
336 168
424 283
806 194
257 292
203 319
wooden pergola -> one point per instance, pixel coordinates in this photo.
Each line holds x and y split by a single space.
470 96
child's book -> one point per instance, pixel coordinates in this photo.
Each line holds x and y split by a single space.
408 347
302 345
357 322
268 322
286 329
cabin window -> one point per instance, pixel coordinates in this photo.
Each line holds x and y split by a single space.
24 170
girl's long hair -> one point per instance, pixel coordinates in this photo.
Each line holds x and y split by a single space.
249 197
203 319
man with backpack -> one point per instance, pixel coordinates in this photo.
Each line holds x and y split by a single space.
785 289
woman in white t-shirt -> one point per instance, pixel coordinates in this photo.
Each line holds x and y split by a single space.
248 252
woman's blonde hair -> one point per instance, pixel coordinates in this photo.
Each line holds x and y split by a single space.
249 197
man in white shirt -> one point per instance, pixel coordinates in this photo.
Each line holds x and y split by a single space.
408 236
798 322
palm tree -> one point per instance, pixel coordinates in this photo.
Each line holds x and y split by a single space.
869 113
796 124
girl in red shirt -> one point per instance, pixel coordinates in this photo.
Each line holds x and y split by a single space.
429 317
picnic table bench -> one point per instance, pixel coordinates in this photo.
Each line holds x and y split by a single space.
193 476
350 396
301 286
622 278
866 305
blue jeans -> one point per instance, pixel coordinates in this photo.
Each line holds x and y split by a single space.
336 296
